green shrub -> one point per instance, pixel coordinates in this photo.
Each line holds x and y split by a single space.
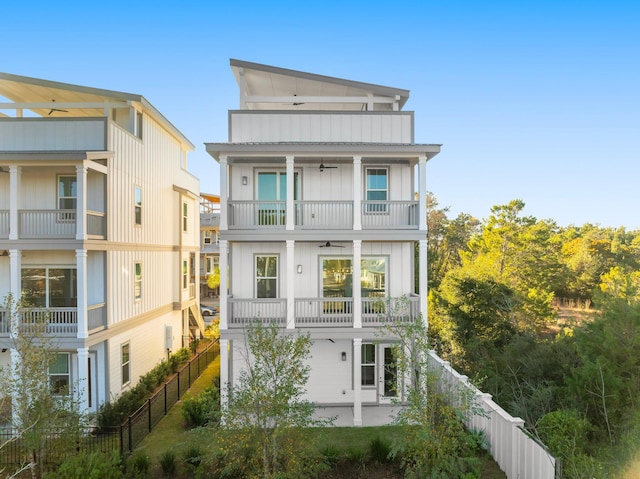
88 466
380 450
168 463
203 409
193 456
139 465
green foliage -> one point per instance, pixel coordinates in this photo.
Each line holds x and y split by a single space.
213 280
266 414
115 412
380 450
203 409
193 456
139 465
168 463
88 466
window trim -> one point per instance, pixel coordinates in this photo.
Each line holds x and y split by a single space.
125 364
256 278
185 273
376 208
185 217
208 237
47 282
137 205
66 217
372 365
137 281
67 374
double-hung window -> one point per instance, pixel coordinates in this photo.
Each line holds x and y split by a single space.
377 190
185 216
368 365
266 276
137 282
138 206
125 363
59 377
67 198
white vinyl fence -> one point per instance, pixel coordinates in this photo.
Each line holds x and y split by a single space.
518 454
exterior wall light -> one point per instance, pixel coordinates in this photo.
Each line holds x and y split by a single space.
299 269
344 356
245 180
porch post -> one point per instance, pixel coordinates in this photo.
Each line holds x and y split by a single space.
81 389
224 194
14 201
357 193
357 381
224 376
422 194
422 280
290 210
81 307
356 284
224 293
81 202
291 301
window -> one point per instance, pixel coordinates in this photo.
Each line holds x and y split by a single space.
59 380
50 287
272 194
267 276
67 197
208 236
138 131
138 206
337 277
185 274
368 365
125 361
137 282
377 186
185 216
373 277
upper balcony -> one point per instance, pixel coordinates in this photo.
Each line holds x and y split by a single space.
53 224
53 134
323 215
251 126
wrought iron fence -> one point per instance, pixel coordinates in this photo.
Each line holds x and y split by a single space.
127 436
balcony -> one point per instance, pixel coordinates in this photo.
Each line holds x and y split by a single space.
61 224
322 312
336 215
60 322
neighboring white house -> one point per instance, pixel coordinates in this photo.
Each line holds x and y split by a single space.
318 186
209 245
99 226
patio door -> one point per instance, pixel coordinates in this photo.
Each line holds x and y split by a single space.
271 194
388 380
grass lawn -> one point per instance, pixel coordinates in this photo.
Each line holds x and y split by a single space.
170 435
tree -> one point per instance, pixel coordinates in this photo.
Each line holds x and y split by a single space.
213 280
265 411
38 411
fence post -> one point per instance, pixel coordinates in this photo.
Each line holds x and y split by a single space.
149 413
165 398
130 436
516 437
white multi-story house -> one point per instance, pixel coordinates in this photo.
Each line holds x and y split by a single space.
99 228
319 222
209 245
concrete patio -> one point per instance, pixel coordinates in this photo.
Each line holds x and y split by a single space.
374 415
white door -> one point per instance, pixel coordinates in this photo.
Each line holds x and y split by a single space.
388 384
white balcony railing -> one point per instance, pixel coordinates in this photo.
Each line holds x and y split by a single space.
96 316
323 214
323 312
96 224
47 223
53 321
390 214
4 223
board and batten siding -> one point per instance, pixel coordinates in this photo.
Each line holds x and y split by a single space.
152 163
147 349
309 256
364 127
52 134
159 277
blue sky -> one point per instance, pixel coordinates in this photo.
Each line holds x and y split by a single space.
536 100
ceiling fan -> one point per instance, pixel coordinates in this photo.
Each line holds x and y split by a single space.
56 109
329 245
323 167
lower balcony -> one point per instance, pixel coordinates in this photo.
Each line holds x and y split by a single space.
322 312
59 322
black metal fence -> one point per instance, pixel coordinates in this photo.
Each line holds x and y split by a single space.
127 436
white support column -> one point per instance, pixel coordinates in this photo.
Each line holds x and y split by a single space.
15 273
357 193
357 381
224 193
356 284
422 279
82 302
224 376
291 283
81 386
14 201
422 194
224 287
290 225
81 202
